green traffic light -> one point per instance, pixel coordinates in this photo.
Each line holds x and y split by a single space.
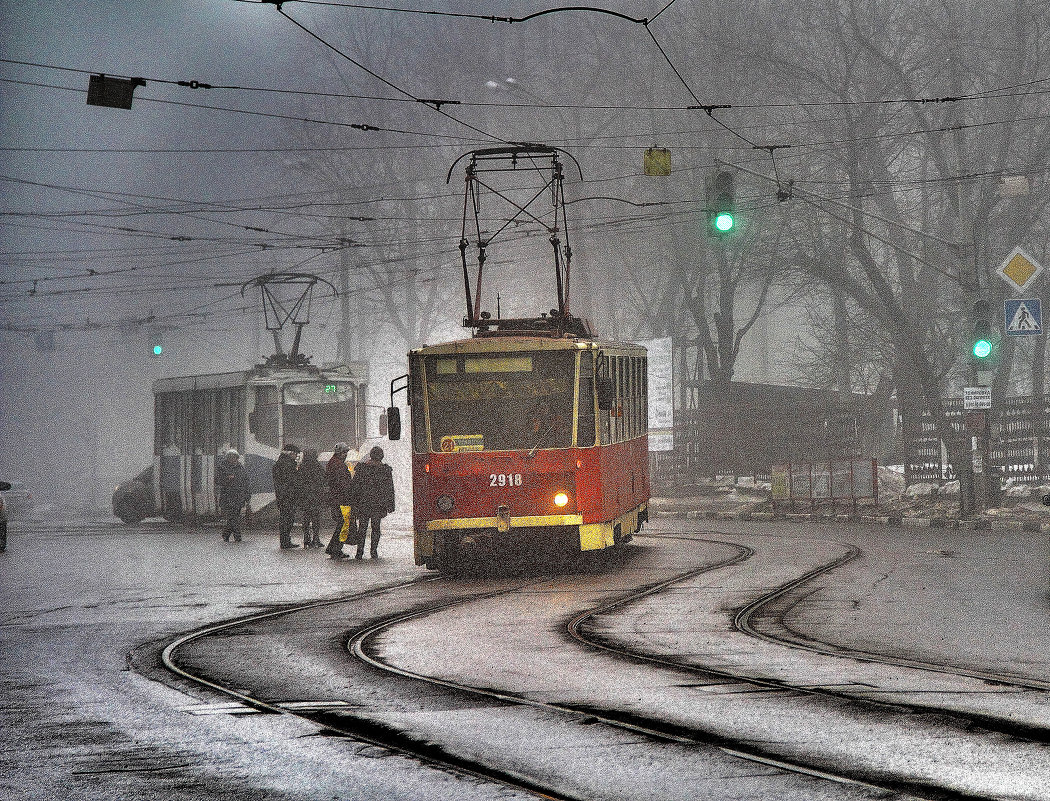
982 348
724 222
158 349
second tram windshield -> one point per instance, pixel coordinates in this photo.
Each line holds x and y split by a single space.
316 414
510 401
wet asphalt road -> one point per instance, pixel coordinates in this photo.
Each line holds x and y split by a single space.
88 713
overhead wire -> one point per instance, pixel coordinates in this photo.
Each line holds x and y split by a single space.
659 47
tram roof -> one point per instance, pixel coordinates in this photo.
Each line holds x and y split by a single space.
356 372
516 344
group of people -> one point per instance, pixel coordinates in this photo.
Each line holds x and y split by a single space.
358 495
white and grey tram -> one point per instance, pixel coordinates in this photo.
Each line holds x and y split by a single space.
198 418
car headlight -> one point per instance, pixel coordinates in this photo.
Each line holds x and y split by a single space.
561 499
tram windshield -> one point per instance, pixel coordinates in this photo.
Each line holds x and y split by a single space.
512 401
318 414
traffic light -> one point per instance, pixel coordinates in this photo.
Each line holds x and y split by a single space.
984 342
156 343
721 204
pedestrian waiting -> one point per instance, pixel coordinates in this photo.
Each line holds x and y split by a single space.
341 498
284 487
231 481
375 499
312 485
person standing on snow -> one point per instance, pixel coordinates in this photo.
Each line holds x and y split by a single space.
231 481
375 491
284 487
312 484
341 495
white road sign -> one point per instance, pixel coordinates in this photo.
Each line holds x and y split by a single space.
1023 317
977 397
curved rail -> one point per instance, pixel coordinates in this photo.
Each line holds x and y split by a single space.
391 743
742 621
648 727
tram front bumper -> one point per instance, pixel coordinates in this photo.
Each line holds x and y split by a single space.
481 536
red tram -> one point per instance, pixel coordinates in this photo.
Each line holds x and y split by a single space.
526 441
530 436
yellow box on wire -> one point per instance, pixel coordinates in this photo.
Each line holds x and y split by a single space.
657 161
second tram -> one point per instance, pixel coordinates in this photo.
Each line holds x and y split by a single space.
198 418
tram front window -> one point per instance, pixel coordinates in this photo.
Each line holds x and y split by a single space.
318 414
515 401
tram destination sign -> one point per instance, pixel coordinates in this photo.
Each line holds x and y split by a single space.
977 398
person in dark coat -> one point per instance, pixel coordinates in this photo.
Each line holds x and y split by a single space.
375 498
284 487
231 481
341 492
312 485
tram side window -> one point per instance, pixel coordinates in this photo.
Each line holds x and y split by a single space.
585 402
623 402
605 417
643 392
164 408
263 422
629 384
202 415
230 418
636 396
628 398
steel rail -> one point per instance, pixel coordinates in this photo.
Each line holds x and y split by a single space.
402 745
357 644
743 621
922 790
1039 734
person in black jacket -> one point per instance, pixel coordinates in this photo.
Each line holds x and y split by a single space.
231 481
312 484
284 487
375 498
341 492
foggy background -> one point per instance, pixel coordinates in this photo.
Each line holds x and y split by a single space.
122 224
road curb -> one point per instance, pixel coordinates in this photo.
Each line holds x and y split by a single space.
978 524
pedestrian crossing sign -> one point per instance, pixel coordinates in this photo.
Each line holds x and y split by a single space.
1023 317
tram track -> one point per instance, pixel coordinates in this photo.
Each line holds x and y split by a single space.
744 620
341 724
363 729
749 618
649 727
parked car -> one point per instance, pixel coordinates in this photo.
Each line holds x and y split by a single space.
4 486
17 499
133 500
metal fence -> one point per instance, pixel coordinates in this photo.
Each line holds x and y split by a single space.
754 426
1019 436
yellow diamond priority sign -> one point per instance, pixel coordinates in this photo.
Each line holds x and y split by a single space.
1019 268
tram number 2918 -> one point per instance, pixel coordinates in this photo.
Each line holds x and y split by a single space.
505 480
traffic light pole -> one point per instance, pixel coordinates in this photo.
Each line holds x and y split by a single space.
984 355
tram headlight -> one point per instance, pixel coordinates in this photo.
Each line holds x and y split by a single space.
561 499
445 503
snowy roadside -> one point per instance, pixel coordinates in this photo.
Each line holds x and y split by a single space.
921 504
